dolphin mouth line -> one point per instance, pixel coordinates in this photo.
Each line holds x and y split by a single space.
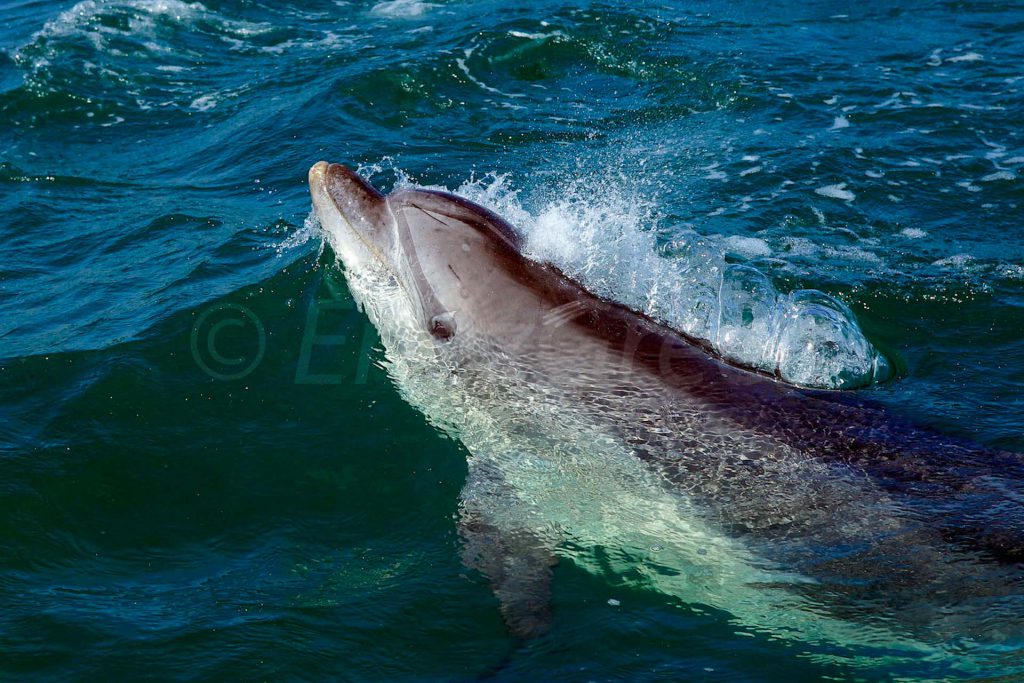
371 248
374 251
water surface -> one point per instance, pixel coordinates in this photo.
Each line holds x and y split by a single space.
274 509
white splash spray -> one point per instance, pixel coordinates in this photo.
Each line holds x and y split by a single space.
602 235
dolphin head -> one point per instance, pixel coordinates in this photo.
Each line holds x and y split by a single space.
353 212
457 262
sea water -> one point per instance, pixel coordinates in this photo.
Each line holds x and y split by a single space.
207 471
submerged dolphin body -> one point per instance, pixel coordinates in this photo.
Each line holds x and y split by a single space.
805 514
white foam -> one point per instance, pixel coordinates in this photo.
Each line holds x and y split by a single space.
461 62
751 247
803 247
840 122
956 261
913 233
536 36
1011 271
837 191
999 175
968 57
204 103
402 9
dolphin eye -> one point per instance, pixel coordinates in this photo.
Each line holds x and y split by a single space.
443 326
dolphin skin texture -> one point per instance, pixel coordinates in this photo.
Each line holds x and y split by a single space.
598 435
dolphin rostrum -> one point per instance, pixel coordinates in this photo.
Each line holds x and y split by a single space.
804 513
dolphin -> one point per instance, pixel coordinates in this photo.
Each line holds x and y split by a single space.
600 435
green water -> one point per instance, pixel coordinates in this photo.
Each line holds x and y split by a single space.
274 510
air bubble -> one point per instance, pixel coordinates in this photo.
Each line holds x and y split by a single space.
747 303
819 344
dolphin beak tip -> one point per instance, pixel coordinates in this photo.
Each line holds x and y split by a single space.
317 172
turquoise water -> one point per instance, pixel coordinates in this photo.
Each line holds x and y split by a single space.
269 507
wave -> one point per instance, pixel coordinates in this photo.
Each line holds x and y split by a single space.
119 58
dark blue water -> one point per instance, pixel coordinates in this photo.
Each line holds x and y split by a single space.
276 510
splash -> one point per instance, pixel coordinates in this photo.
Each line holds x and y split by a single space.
402 9
311 230
605 236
